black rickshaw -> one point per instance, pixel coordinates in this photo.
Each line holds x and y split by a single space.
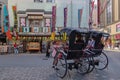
64 59
99 55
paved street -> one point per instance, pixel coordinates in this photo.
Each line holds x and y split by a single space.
34 67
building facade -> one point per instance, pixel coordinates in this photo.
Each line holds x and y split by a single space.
110 18
33 19
39 12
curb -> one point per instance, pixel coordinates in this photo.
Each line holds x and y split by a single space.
112 50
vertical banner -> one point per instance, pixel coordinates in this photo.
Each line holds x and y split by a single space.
15 16
65 17
92 7
99 10
91 13
102 7
6 19
6 23
53 22
15 22
53 18
80 11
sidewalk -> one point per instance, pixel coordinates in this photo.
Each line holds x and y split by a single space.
115 50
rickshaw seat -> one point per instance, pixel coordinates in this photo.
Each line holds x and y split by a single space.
98 48
75 51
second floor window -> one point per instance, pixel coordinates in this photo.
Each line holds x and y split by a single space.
109 12
38 1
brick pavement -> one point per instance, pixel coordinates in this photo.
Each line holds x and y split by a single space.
34 67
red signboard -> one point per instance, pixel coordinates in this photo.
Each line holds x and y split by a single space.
117 36
118 28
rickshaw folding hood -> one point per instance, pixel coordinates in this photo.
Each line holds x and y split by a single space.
69 30
99 32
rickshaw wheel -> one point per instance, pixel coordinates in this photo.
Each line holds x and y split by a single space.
61 65
85 65
91 64
101 61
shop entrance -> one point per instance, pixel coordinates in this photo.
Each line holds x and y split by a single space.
34 43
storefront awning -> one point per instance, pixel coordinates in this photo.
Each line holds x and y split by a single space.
34 10
35 34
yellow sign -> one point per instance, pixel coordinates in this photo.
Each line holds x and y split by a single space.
52 36
33 46
64 36
35 17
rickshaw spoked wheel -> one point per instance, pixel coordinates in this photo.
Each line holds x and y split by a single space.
101 61
60 64
91 64
85 65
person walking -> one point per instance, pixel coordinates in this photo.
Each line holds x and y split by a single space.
15 48
48 48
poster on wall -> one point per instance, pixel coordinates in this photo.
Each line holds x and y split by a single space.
47 22
22 22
